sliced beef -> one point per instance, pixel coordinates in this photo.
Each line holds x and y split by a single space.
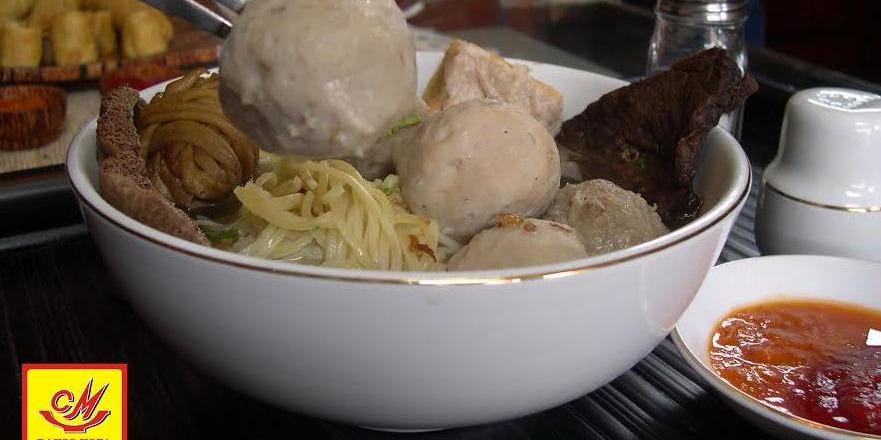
123 180
647 137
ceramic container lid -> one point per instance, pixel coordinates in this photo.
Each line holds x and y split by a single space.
830 149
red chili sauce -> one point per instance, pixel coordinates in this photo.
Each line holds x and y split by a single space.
817 360
21 102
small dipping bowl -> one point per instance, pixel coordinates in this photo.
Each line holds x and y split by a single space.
752 281
30 116
822 192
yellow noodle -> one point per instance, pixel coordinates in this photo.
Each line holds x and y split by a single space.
261 203
325 213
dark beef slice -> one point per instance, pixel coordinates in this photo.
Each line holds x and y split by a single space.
647 137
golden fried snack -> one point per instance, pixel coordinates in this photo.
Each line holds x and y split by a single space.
98 5
45 11
104 34
15 9
145 32
72 39
193 153
121 9
20 46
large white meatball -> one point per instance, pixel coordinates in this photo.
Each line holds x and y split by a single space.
605 216
515 242
318 78
473 161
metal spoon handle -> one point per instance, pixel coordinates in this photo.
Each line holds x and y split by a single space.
196 14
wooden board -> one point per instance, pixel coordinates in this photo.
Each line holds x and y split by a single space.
189 47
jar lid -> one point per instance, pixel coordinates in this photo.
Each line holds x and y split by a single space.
712 11
830 148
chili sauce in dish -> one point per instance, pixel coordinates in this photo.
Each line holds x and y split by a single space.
813 359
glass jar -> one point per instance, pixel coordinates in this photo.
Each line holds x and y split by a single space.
684 27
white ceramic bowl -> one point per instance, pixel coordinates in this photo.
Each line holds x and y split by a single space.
822 192
412 351
755 280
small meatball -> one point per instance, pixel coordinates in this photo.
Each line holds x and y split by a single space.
318 78
605 216
515 242
473 161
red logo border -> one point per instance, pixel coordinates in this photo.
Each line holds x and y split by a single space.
24 388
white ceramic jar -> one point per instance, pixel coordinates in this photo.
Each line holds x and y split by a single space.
822 193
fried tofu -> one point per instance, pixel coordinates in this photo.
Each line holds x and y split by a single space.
470 72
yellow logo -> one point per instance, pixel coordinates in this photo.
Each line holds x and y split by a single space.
73 401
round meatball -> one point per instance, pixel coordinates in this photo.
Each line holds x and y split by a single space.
515 242
474 161
605 216
318 78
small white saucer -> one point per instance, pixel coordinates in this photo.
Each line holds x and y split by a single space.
756 280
